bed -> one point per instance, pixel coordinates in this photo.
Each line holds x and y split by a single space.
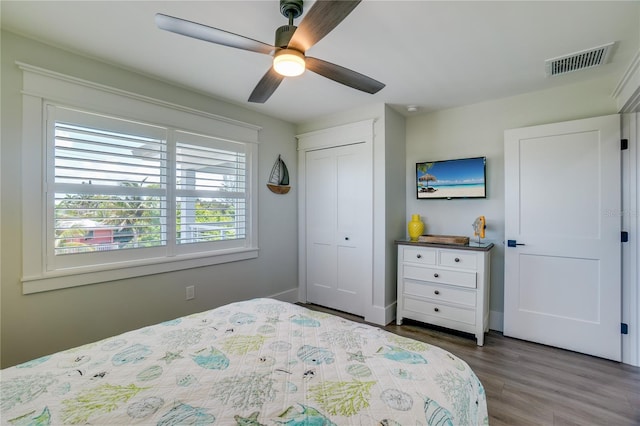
255 362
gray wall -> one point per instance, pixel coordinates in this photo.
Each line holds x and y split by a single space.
38 324
478 130
396 214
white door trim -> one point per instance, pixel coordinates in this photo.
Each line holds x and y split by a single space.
630 251
627 96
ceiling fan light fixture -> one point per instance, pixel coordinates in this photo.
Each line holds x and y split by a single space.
289 62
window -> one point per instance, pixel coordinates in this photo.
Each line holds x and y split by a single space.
112 190
128 196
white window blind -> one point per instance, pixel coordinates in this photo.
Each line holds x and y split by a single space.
211 189
110 186
150 191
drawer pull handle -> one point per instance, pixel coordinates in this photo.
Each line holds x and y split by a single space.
419 256
457 259
436 292
436 309
346 238
436 275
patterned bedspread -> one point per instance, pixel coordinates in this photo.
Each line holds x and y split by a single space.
256 362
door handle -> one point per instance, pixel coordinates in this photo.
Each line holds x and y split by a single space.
513 243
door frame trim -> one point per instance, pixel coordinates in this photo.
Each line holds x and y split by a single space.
627 96
630 251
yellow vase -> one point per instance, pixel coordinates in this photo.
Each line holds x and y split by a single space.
415 227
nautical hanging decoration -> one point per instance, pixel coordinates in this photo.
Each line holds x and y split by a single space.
279 178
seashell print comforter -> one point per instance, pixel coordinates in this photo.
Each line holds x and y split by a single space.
256 362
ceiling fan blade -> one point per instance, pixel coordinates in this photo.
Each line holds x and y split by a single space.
323 17
343 75
210 34
266 86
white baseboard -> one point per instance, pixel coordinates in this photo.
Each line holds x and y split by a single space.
290 295
496 320
381 316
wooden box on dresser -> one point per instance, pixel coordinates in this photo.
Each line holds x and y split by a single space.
445 285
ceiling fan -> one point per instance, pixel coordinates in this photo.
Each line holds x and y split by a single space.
290 45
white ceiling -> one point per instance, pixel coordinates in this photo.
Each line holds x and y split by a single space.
430 54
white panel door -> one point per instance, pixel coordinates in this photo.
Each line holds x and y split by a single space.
562 232
339 227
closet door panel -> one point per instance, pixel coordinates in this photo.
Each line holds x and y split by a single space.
339 227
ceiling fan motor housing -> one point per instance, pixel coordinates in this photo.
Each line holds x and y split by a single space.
283 35
290 9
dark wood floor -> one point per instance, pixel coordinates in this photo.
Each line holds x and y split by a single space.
532 384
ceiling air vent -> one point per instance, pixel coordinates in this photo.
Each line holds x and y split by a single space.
578 61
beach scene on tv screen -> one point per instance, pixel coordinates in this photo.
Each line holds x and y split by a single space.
451 179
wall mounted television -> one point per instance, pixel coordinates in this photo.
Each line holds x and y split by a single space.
448 179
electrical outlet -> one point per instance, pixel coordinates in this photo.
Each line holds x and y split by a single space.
191 292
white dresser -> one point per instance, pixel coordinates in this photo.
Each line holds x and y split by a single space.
445 285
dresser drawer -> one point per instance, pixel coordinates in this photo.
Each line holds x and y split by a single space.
423 256
440 293
436 310
457 259
434 275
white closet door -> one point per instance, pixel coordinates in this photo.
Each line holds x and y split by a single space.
339 227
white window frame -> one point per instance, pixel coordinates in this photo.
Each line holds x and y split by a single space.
42 87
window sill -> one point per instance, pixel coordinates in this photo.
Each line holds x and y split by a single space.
85 276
